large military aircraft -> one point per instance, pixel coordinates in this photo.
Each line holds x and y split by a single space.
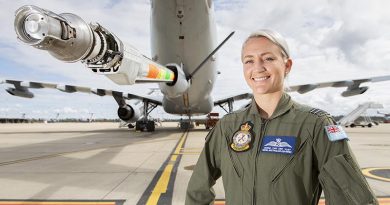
183 59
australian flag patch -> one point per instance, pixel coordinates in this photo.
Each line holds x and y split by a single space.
279 144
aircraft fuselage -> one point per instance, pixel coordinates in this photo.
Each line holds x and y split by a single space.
184 32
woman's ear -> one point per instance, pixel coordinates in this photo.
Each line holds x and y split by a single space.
288 66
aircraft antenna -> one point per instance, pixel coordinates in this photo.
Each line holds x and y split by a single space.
189 77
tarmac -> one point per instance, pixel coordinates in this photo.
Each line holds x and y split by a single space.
97 163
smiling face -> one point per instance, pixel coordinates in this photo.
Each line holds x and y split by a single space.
264 66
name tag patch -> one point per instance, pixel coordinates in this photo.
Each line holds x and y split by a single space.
335 133
279 144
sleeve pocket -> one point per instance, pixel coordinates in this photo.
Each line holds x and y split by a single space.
343 182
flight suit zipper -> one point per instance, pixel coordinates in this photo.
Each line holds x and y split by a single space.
291 160
264 123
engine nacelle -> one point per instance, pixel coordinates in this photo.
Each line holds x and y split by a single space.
129 114
24 93
356 91
178 86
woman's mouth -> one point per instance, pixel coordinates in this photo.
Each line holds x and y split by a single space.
259 79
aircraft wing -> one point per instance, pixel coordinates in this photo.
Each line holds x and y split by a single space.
233 98
353 86
230 99
21 89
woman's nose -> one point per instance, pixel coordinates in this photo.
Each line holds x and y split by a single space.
259 65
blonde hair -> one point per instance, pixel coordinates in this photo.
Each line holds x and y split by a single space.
273 36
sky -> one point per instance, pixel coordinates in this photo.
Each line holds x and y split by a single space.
329 41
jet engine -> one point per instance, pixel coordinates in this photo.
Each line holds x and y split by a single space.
128 113
355 91
178 86
20 92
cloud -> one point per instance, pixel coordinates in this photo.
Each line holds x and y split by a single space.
329 40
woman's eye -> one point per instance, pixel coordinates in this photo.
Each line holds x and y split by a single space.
248 61
269 59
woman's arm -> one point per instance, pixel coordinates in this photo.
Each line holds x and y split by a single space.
339 173
206 171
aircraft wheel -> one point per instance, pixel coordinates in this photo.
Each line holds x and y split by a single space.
150 127
137 126
369 125
184 125
140 126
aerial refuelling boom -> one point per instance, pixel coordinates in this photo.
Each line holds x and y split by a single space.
68 38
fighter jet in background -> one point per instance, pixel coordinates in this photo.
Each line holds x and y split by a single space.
183 63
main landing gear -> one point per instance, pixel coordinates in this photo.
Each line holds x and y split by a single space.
145 124
148 125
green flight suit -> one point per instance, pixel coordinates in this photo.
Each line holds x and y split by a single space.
268 178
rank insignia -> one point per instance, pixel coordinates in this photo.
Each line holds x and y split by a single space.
242 138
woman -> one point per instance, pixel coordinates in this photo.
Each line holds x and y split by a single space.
276 151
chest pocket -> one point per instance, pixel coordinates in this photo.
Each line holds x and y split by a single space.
287 162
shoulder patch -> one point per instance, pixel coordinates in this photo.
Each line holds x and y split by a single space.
319 112
335 133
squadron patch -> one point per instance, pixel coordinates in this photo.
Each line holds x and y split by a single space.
279 144
242 138
335 133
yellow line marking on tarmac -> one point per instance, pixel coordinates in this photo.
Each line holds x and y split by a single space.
161 186
162 183
367 172
173 158
180 145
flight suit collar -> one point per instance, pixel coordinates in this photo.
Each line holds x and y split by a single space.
285 103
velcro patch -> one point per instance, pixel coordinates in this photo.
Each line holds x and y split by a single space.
335 133
318 112
278 144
